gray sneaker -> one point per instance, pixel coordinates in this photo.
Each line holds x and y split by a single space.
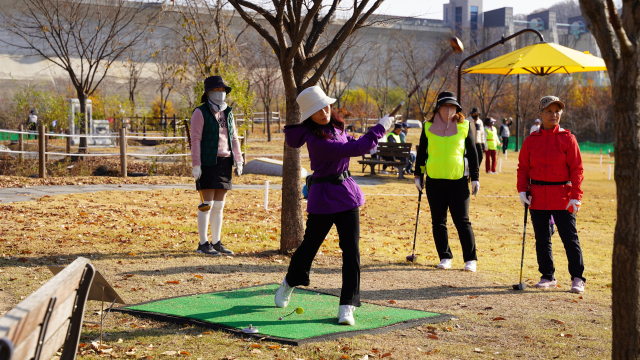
220 248
545 284
577 286
207 249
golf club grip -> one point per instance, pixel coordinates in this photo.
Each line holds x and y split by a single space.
435 67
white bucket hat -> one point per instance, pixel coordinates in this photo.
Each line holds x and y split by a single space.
312 100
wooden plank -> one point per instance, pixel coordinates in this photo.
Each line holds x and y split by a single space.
27 348
56 340
23 321
60 314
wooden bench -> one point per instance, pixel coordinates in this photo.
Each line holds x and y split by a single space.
49 318
400 151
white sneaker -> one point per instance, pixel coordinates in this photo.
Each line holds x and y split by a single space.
445 264
283 295
384 172
345 315
470 266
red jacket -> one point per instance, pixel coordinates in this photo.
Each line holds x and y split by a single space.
553 156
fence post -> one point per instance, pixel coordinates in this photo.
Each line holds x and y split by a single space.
42 171
144 128
46 146
68 138
21 143
175 126
123 151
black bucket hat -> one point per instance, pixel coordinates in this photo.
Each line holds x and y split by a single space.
475 111
213 82
447 97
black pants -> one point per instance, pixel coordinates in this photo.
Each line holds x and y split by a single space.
318 226
480 151
505 144
452 195
566 224
387 158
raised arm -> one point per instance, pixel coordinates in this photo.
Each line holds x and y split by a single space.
330 150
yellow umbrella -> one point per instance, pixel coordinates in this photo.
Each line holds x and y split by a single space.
540 59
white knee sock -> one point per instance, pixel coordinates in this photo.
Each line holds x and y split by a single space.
203 223
216 220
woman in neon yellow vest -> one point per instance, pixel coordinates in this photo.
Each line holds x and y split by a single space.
447 155
493 141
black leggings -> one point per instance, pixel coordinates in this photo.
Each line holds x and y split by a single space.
505 144
453 195
318 226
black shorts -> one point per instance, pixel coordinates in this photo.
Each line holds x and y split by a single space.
217 176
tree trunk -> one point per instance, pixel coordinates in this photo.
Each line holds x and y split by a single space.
625 85
291 219
83 122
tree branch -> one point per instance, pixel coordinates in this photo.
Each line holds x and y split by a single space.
626 46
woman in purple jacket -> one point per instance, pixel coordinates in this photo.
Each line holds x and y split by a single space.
333 198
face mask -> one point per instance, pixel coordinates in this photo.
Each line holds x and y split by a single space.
447 112
217 97
475 117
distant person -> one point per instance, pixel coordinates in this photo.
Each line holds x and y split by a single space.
393 137
404 132
412 154
505 133
535 127
32 121
481 138
550 168
492 145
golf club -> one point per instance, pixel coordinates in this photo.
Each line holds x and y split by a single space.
456 47
202 207
412 257
521 285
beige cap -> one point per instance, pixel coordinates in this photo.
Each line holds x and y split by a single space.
548 100
312 100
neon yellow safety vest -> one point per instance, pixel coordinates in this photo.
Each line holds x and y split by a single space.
395 136
492 135
446 154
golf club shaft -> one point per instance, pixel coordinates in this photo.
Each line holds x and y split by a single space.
415 234
524 234
435 67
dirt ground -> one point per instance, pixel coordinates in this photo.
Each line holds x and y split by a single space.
152 236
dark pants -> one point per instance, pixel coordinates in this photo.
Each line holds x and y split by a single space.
318 226
490 163
505 144
387 158
410 161
453 195
566 224
480 151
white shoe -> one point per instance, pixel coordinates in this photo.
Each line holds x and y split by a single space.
470 266
345 315
445 264
283 295
384 172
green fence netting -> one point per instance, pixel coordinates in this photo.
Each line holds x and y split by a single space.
586 147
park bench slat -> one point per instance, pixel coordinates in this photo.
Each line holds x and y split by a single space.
22 324
396 150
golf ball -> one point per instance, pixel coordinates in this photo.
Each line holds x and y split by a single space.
299 310
280 318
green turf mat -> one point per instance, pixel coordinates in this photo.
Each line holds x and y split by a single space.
236 309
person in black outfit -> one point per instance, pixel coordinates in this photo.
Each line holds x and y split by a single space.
446 144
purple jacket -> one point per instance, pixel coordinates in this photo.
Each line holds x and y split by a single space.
331 157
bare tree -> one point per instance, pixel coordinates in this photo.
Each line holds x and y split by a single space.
265 77
168 69
380 78
136 60
619 43
295 28
84 38
344 66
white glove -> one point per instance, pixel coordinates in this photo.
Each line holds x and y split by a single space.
197 172
239 168
524 199
576 206
418 182
475 187
386 122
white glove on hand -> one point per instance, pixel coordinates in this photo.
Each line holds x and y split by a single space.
475 187
197 172
386 122
524 199
239 168
418 182
576 206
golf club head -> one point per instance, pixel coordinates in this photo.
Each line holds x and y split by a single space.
456 45
411 258
520 286
204 207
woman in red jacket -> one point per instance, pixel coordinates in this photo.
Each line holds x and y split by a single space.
550 167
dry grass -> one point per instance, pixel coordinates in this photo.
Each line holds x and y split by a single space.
152 235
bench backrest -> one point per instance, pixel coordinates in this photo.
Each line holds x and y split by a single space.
50 317
397 150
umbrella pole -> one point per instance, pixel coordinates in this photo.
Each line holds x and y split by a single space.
517 112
